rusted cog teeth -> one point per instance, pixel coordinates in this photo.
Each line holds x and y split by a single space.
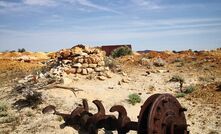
49 109
85 105
100 107
120 109
77 111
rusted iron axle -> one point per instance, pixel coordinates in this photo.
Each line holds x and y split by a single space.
160 114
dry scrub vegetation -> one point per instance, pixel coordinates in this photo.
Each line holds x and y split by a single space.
81 72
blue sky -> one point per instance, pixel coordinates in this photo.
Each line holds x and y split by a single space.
49 25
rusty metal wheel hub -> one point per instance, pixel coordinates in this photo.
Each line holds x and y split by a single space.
162 114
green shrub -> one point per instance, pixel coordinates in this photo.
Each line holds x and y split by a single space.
178 60
134 98
207 79
121 51
8 119
3 109
110 62
21 50
189 89
179 95
177 78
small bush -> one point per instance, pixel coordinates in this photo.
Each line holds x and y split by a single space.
8 119
110 62
134 98
207 79
189 89
181 64
179 95
29 113
3 109
21 50
121 51
32 99
177 78
159 62
178 60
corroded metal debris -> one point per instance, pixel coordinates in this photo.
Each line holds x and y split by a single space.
160 114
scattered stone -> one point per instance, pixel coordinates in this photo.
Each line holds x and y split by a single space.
102 78
148 72
22 81
67 61
101 74
90 77
99 69
76 78
153 71
70 71
78 65
125 80
110 87
85 65
124 74
73 70
28 61
90 70
41 75
162 71
101 63
108 75
77 50
79 70
92 65
106 68
81 60
84 71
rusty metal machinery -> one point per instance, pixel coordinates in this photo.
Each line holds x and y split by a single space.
160 114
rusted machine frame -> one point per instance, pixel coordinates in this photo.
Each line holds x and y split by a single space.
160 114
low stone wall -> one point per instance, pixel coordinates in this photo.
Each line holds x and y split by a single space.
80 59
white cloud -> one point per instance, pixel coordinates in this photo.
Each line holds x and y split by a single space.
83 5
142 2
8 4
147 4
88 3
39 2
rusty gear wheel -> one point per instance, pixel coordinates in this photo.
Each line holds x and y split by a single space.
162 114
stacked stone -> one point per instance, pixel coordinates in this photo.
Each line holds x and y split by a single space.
82 60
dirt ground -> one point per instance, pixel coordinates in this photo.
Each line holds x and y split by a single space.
200 71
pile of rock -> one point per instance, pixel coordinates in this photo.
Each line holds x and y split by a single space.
78 60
